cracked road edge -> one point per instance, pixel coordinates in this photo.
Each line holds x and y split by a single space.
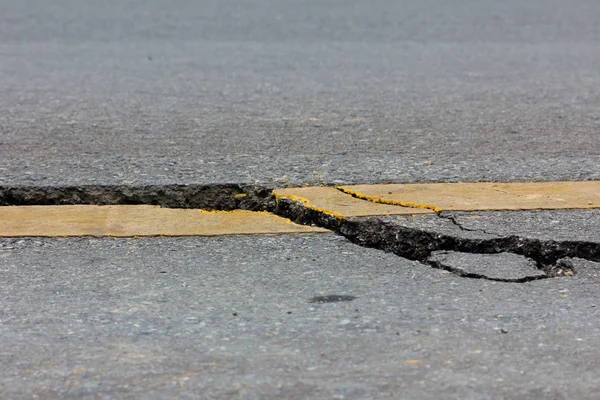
375 232
418 244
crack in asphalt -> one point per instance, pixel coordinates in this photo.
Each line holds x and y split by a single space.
224 197
418 244
361 196
452 219
374 232
472 275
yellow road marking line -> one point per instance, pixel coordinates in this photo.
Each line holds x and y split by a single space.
484 195
341 202
139 220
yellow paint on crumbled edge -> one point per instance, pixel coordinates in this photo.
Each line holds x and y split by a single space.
214 211
379 200
240 195
307 204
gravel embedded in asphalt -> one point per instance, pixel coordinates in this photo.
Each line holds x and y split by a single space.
232 316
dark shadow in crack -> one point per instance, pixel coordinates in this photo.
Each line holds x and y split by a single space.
375 232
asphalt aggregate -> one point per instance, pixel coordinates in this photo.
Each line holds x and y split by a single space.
274 93
248 317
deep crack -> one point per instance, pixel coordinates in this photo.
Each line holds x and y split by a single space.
418 244
407 242
210 197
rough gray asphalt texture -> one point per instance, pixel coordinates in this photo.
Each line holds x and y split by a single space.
230 318
501 266
286 91
586 268
277 92
558 225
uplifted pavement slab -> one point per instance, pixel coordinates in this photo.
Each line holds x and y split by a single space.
437 197
504 267
483 196
247 317
334 202
567 228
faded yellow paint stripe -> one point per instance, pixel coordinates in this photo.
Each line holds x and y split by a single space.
333 202
484 195
139 220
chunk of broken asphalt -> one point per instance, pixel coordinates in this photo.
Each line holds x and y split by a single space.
563 267
582 268
505 267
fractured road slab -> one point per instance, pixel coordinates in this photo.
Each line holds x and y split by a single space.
136 93
544 235
372 200
334 202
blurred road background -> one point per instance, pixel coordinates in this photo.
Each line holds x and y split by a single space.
273 93
298 91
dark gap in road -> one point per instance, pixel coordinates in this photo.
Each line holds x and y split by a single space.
406 242
225 197
472 275
418 244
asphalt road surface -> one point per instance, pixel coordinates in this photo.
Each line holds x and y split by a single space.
275 93
298 91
